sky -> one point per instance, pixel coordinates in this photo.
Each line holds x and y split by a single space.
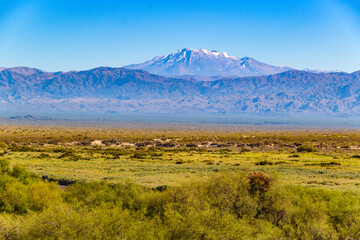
64 35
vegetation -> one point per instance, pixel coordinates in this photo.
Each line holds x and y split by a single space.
223 207
83 183
306 149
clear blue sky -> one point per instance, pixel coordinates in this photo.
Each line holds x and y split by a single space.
72 35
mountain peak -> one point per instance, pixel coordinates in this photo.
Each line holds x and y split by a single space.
202 62
23 70
204 51
121 90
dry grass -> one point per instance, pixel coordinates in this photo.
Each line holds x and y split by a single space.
172 156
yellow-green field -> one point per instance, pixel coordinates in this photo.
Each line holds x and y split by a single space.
155 157
178 183
173 166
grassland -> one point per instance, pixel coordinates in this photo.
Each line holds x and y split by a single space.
176 183
156 157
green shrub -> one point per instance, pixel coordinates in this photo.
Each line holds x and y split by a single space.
264 162
329 164
306 148
224 206
20 172
139 155
3 145
4 165
43 155
44 195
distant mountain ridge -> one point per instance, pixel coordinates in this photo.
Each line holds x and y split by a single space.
32 117
202 62
116 90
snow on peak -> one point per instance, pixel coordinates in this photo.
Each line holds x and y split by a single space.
202 62
202 51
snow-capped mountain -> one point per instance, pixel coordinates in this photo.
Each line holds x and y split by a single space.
202 62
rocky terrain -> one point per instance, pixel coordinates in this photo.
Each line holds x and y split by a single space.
202 63
113 90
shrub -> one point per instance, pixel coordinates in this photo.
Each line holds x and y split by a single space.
264 162
23 149
15 197
223 206
3 145
4 165
244 150
306 148
139 155
44 195
20 172
259 183
66 155
43 155
328 164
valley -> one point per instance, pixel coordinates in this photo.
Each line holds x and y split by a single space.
155 157
79 182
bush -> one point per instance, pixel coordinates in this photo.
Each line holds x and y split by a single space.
224 206
139 155
306 148
4 165
43 155
44 195
264 162
259 183
244 150
3 145
20 172
329 164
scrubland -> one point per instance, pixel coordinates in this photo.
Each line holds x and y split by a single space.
114 183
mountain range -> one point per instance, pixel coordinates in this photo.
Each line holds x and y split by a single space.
202 62
118 90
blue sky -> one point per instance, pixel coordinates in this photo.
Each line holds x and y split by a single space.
68 35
